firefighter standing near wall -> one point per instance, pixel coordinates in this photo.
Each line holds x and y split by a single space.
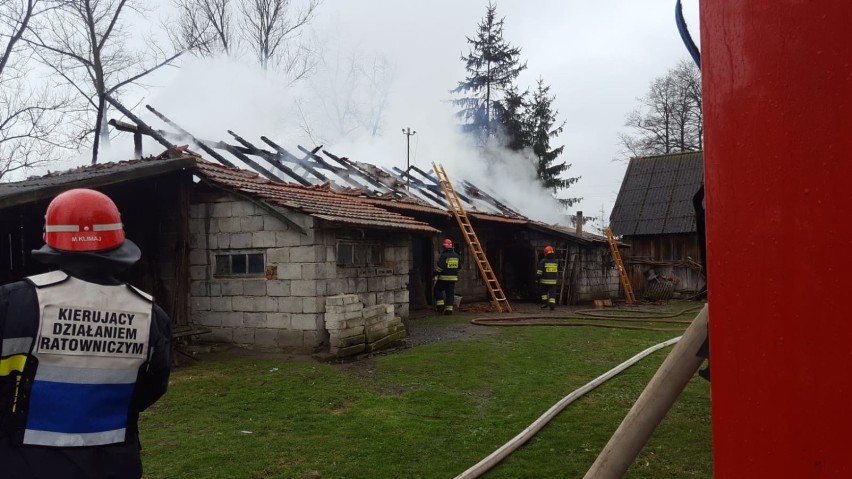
446 275
548 275
81 353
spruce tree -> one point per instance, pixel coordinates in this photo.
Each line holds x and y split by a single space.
514 120
543 128
492 66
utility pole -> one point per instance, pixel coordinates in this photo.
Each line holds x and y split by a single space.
407 132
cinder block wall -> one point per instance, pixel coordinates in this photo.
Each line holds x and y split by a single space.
284 308
385 284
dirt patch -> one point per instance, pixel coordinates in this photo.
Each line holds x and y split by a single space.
364 370
186 356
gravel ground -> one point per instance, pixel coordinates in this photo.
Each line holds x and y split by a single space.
419 334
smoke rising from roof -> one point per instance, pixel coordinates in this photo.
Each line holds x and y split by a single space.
208 97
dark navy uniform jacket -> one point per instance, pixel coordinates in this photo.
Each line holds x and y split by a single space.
548 270
447 267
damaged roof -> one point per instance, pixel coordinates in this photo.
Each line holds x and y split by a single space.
656 195
391 189
318 166
317 201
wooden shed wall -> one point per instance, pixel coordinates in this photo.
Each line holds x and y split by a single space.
676 256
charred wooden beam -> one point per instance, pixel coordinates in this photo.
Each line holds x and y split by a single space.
494 201
341 171
353 168
201 145
436 187
424 190
130 128
245 159
312 154
141 125
303 163
271 158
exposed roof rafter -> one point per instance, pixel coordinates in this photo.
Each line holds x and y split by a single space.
318 166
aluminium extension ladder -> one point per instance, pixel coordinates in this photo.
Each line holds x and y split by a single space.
482 263
622 272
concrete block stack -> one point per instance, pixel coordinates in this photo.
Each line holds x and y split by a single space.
354 328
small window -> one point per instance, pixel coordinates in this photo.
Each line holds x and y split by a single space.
345 254
359 254
240 264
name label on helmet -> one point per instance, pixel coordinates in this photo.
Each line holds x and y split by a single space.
75 239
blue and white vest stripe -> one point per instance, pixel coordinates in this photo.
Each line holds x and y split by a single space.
91 342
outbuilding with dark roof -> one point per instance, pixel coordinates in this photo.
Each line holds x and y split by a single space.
655 215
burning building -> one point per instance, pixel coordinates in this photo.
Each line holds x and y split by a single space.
292 254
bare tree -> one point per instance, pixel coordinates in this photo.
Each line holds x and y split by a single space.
271 30
88 43
30 117
203 26
377 74
670 117
348 95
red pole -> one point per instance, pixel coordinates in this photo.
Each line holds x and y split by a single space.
777 78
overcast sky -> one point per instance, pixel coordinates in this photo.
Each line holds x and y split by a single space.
597 56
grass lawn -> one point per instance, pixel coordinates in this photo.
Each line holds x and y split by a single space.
431 411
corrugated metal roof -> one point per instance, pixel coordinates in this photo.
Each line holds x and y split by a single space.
317 201
656 195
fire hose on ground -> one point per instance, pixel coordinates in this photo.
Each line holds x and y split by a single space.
598 318
647 412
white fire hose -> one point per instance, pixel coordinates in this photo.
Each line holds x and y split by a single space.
622 448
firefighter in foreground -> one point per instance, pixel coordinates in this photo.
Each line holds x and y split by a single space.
81 353
548 274
447 275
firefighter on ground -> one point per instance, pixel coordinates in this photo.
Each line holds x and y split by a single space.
81 353
446 275
548 274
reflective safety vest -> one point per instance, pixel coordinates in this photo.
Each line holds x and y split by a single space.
79 364
548 270
448 266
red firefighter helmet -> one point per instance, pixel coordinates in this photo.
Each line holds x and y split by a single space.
548 250
83 220
447 243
